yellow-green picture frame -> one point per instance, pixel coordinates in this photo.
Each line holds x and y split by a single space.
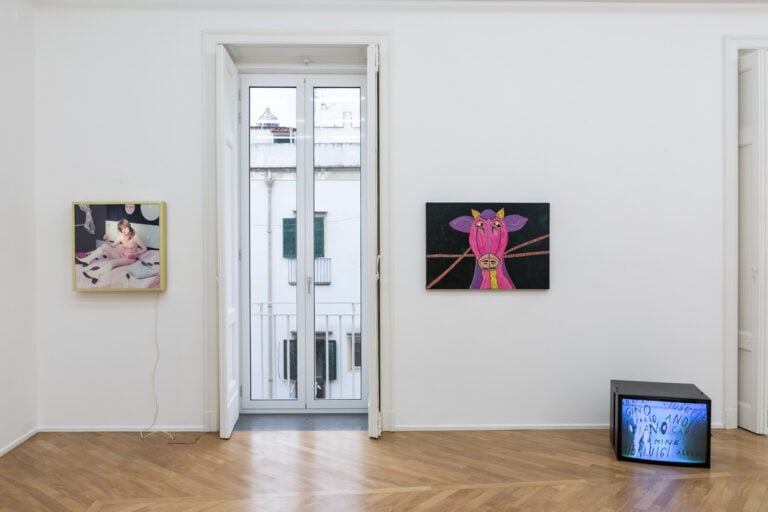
118 246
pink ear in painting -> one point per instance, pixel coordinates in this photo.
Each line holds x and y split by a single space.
463 223
514 222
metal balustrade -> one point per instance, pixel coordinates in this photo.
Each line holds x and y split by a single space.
273 354
322 271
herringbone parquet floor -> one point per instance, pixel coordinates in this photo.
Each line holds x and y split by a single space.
532 471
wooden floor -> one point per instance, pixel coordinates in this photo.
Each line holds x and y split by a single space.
340 471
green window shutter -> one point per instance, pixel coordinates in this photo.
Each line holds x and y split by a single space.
319 237
289 238
289 345
320 358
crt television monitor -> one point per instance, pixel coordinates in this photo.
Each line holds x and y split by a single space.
663 429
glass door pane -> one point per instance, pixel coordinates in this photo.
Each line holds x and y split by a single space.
273 150
305 148
337 356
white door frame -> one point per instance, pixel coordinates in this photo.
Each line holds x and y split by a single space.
731 230
380 375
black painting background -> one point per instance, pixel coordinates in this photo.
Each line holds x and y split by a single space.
529 272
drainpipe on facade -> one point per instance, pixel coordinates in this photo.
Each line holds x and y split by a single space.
270 332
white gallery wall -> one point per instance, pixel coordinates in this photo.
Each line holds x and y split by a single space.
18 246
611 113
119 121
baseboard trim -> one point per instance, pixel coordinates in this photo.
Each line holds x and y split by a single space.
536 426
398 428
13 444
112 428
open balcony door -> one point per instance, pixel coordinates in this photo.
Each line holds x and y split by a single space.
753 230
229 240
371 250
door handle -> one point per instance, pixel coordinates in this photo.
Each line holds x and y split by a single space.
309 285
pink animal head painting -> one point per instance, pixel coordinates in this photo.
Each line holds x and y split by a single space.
488 235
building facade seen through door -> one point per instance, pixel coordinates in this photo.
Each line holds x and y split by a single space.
303 161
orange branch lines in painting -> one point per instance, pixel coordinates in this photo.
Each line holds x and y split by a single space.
507 254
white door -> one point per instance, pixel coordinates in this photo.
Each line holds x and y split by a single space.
752 253
229 240
306 205
371 252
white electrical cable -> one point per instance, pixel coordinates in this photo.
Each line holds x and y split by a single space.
154 378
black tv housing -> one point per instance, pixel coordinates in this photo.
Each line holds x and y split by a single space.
660 423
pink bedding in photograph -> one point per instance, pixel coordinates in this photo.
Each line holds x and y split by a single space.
143 274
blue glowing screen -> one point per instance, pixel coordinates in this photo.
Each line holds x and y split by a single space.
656 430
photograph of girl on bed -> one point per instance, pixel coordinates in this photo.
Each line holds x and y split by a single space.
109 255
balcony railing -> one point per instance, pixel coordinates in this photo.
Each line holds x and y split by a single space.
322 271
273 354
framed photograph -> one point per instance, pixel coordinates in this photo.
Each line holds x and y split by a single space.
487 246
118 246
